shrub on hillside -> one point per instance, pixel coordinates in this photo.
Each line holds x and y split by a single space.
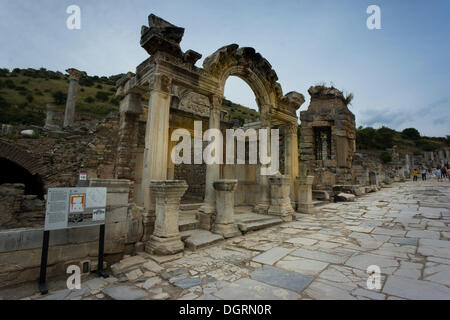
102 96
10 84
59 98
411 133
427 145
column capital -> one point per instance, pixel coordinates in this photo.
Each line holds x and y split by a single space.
216 102
291 128
75 74
160 82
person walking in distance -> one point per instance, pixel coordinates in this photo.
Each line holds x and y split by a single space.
415 174
438 174
424 174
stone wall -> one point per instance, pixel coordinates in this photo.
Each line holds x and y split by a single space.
20 249
18 210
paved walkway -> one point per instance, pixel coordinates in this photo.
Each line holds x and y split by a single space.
404 230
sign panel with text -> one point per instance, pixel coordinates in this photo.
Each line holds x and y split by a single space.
75 207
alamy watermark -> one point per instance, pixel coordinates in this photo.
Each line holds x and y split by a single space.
374 280
74 280
258 142
73 22
374 20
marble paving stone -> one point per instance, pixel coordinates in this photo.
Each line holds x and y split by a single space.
303 266
423 234
321 256
302 241
248 289
125 293
282 278
415 289
188 283
389 232
406 241
271 256
435 243
324 290
363 261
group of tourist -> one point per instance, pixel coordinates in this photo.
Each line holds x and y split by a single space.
441 172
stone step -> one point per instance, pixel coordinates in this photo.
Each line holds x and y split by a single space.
201 238
318 203
188 223
187 233
248 218
257 225
190 206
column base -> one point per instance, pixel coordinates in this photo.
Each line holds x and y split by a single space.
284 212
164 246
207 208
306 208
227 230
261 208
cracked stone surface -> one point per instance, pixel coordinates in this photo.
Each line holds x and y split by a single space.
403 229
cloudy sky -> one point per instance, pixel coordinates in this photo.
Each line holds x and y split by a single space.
400 75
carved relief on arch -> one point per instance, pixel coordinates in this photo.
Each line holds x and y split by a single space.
190 101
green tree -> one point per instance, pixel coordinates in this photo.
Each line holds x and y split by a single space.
384 138
411 133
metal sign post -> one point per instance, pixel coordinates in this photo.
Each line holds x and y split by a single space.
43 273
101 247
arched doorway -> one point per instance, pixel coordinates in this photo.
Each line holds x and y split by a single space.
11 172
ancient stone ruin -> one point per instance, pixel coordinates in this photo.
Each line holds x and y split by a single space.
164 208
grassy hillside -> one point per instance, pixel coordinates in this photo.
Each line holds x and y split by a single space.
24 94
409 140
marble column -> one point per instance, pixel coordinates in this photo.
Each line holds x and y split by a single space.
49 118
156 137
166 238
170 164
305 204
74 77
263 202
280 202
212 170
291 162
224 223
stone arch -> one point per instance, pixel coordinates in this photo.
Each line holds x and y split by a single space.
25 162
251 67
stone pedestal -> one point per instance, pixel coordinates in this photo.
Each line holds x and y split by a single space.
166 239
224 223
305 204
74 77
280 202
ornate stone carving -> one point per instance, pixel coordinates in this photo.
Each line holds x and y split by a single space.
291 128
160 82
